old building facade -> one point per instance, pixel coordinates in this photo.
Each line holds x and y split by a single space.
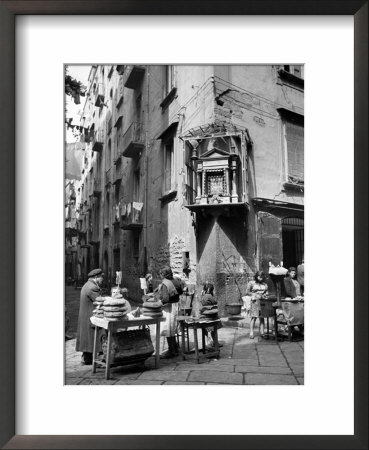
199 167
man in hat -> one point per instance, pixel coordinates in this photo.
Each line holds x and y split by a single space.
85 330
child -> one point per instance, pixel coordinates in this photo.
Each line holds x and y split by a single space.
208 302
256 289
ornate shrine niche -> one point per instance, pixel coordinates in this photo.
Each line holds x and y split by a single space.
217 157
217 176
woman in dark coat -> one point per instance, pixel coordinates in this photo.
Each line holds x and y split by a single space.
85 330
291 285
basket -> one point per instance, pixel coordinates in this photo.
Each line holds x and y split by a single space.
128 345
234 308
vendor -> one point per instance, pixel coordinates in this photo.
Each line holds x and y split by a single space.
301 276
85 331
291 285
168 292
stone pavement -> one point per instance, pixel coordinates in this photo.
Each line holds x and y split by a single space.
242 361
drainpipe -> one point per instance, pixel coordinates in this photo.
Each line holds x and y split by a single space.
146 168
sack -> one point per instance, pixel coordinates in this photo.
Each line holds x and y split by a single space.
128 345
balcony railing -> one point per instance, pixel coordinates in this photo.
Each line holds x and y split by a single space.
100 95
96 192
120 92
133 141
98 141
117 173
108 176
131 216
134 76
88 135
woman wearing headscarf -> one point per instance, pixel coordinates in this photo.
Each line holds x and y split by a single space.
168 292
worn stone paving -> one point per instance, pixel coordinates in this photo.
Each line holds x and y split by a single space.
242 361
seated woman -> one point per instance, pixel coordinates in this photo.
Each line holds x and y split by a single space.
293 290
208 303
256 289
291 285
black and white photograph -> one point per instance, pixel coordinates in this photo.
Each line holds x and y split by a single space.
184 224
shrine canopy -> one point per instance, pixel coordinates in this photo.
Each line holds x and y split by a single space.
214 130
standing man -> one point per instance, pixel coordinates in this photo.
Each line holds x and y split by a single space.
85 330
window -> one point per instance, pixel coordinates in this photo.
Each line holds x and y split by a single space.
169 89
107 211
298 71
169 79
168 165
136 248
117 193
293 126
138 108
108 155
136 185
118 136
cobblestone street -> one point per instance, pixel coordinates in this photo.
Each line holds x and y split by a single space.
242 361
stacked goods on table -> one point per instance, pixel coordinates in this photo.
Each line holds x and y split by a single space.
152 308
98 311
116 308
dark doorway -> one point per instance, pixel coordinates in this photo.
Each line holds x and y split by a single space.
96 256
293 241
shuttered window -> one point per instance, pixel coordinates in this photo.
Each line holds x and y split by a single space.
293 125
295 150
168 163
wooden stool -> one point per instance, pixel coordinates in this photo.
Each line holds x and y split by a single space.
186 323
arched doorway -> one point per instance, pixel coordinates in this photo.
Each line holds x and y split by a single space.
293 241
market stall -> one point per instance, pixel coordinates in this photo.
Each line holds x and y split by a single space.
123 346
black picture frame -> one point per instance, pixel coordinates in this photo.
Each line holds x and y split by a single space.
8 10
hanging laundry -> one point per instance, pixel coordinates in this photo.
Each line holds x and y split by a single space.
138 206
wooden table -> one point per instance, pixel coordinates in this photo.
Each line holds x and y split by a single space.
195 324
113 326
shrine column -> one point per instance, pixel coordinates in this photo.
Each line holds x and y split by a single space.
198 186
203 194
227 192
234 182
